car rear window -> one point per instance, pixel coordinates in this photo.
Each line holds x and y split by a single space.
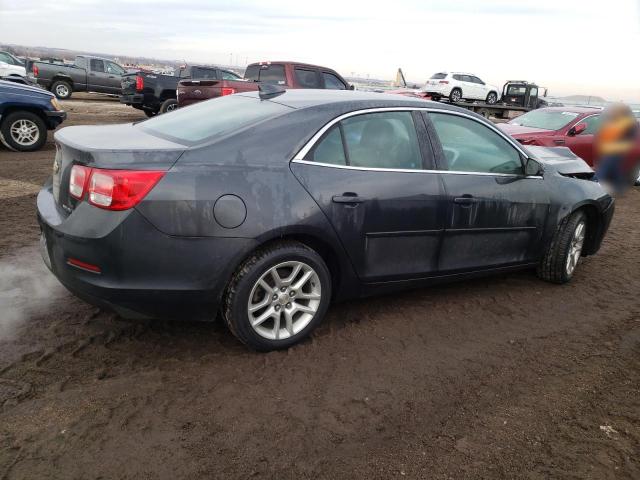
206 120
307 78
273 74
203 73
545 119
438 76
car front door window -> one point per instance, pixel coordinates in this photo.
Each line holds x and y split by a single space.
469 146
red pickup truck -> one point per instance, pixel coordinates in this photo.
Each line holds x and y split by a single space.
287 74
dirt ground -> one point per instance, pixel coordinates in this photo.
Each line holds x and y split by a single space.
504 377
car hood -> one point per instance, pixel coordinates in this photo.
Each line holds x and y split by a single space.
515 130
20 88
560 159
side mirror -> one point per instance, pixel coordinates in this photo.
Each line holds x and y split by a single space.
352 87
577 129
532 168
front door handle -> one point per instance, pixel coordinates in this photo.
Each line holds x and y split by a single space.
347 197
465 200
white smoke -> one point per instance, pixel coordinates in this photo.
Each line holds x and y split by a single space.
26 287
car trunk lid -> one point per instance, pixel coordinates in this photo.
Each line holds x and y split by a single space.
117 147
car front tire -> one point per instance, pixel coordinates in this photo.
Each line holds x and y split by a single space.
23 131
492 98
277 296
561 259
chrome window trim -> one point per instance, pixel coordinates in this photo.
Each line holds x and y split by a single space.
409 170
300 156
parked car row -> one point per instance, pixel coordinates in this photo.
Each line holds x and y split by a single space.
286 74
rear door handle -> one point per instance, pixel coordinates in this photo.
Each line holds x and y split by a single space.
465 201
347 197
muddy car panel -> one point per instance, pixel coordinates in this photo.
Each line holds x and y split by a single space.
172 255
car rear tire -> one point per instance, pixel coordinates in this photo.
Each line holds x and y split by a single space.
455 96
169 105
62 89
23 131
560 262
277 296
492 98
150 113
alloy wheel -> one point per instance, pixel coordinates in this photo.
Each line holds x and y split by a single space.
24 132
456 96
575 248
172 107
62 91
284 300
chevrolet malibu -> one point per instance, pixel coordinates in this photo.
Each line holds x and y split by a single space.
269 205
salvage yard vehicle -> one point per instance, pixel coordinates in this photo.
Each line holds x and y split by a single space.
269 205
26 113
86 74
285 74
571 127
11 66
155 93
458 86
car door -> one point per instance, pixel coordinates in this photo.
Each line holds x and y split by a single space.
583 143
372 176
495 214
481 90
469 89
114 76
97 78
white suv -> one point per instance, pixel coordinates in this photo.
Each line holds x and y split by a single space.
458 86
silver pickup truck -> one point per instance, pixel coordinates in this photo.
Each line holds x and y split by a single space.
86 74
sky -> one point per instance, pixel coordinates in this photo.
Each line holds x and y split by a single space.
587 47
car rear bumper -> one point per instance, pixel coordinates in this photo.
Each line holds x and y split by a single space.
132 99
143 273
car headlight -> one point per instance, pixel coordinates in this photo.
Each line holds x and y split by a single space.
55 104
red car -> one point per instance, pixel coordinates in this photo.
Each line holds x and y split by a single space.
571 127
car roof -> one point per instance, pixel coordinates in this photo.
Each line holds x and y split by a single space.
290 62
306 98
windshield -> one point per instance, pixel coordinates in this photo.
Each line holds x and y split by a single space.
545 119
213 118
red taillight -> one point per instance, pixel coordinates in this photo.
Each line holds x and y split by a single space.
139 83
228 91
444 81
36 71
112 189
78 181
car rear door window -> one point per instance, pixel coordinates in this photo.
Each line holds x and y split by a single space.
306 78
332 82
273 74
470 146
97 65
460 78
382 140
